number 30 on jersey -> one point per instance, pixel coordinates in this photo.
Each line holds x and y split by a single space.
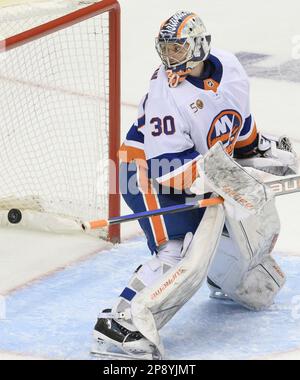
163 126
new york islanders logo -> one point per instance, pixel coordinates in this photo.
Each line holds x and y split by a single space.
225 127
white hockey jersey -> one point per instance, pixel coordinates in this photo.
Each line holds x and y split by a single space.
177 125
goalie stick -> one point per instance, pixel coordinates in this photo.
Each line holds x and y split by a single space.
282 186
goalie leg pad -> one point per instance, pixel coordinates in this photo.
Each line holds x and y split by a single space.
260 285
145 275
228 266
256 236
115 327
156 305
249 243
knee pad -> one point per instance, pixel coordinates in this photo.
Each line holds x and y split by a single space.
260 285
169 254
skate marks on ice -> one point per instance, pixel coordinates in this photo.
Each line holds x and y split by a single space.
54 317
255 66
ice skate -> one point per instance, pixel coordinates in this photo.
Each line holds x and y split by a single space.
216 292
111 339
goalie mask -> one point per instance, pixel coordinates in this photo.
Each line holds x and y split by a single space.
182 44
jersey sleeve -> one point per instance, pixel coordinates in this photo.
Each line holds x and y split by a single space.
132 148
248 138
175 170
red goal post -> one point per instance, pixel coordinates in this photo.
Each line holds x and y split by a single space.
70 19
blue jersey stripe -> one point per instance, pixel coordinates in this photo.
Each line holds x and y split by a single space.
213 69
141 121
247 126
135 135
145 101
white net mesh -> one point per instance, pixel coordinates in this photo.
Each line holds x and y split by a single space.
17 16
54 118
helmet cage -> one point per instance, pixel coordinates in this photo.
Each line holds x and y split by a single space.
197 50
181 51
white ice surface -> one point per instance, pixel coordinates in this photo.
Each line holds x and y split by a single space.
256 27
10 356
54 318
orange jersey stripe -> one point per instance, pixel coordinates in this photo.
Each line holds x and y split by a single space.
183 180
158 232
249 140
129 154
152 204
232 144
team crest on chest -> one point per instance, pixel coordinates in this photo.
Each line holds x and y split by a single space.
225 127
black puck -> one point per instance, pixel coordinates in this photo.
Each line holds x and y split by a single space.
14 216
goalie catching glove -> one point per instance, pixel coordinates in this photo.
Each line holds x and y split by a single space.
272 155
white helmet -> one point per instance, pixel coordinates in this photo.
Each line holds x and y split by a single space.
182 44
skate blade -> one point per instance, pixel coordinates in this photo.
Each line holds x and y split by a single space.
110 356
108 351
220 296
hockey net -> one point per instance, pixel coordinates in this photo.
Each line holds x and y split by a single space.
59 108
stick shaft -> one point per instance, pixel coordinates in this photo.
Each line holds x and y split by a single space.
283 186
146 214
